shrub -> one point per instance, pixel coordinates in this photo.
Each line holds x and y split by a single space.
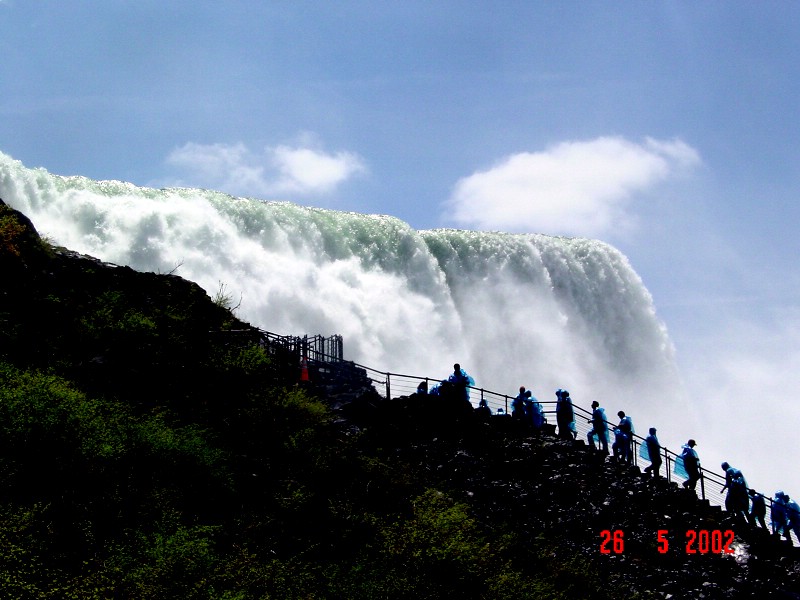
175 561
11 231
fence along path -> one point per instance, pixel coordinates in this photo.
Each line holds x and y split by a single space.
326 354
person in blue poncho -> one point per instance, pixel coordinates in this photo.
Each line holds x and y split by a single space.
793 516
758 510
623 439
518 405
599 429
691 464
652 448
618 447
461 381
565 416
737 500
533 411
778 516
483 411
626 424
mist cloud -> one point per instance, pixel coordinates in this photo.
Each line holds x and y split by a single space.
580 188
274 171
749 382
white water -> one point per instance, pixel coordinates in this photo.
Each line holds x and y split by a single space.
514 310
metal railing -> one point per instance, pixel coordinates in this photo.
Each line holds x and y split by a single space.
327 353
708 487
316 348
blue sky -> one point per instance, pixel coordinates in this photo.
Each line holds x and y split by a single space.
668 129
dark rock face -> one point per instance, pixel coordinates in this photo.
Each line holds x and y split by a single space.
98 323
549 489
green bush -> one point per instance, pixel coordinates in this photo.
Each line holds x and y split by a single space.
11 231
436 551
43 418
111 316
174 561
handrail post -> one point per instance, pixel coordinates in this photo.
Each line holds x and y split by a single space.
666 462
702 484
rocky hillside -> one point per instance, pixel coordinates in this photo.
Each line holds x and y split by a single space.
147 451
559 498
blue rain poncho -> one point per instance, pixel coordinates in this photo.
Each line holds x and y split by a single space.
627 423
651 447
793 513
680 467
565 415
619 448
644 452
462 378
564 407
535 412
599 425
734 478
759 505
518 406
623 438
737 498
619 437
539 418
778 514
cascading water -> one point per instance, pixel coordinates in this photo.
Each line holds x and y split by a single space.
533 310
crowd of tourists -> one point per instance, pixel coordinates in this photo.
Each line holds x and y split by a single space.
744 502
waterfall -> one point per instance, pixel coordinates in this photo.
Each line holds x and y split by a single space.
512 309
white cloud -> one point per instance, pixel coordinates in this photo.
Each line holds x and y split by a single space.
574 188
275 171
304 170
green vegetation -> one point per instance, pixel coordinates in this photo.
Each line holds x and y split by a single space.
224 299
103 500
10 232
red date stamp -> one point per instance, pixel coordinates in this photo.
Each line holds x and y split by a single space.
701 541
